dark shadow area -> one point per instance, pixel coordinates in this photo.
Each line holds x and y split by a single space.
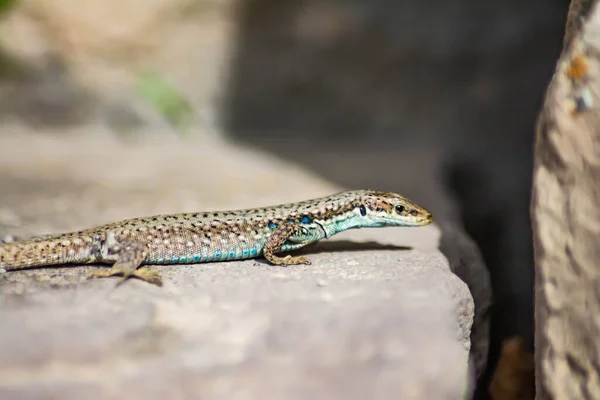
332 246
437 100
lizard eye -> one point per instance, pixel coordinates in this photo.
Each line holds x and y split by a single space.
363 210
400 209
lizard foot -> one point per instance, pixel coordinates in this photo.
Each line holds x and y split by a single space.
143 274
127 255
289 260
148 276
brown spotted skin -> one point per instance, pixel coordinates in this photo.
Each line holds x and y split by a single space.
53 250
215 235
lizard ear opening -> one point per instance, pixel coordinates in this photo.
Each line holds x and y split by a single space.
363 210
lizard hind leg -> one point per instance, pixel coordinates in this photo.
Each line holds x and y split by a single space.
128 257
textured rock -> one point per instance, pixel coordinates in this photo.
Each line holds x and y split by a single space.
566 217
379 314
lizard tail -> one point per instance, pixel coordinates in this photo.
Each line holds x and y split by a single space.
45 252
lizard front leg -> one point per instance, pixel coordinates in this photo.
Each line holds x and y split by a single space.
127 257
276 240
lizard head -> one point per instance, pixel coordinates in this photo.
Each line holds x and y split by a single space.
390 209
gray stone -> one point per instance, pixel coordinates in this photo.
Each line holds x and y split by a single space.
379 313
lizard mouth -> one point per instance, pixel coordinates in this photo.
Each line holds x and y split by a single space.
425 219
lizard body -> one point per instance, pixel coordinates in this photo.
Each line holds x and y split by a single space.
214 235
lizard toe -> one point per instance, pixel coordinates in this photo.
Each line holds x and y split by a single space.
148 276
103 274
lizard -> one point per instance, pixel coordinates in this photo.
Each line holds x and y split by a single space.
198 237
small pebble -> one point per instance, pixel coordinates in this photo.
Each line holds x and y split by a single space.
8 239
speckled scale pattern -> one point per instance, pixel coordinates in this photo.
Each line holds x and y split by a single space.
219 235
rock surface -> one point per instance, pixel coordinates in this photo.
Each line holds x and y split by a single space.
379 314
566 217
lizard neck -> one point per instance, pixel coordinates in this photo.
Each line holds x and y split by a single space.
349 220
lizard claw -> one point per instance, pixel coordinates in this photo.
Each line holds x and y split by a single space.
303 260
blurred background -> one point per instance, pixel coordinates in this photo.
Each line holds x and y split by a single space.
434 99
